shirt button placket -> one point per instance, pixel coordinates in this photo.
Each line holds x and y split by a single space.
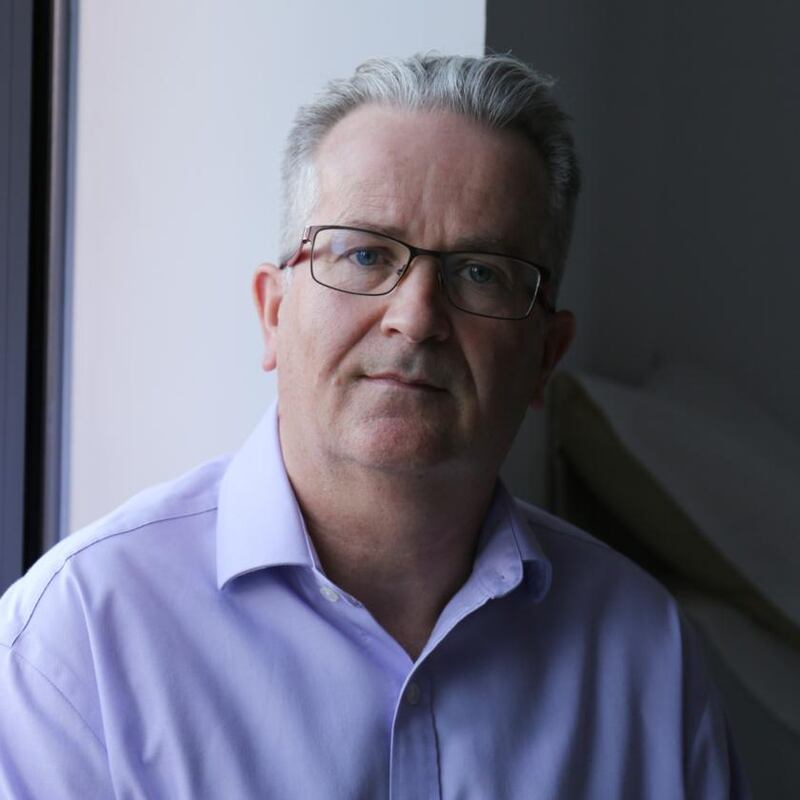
413 693
328 593
414 756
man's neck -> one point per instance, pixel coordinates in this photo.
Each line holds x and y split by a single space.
401 545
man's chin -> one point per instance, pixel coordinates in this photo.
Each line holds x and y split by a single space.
400 445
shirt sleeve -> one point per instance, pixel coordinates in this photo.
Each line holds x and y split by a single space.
47 749
713 769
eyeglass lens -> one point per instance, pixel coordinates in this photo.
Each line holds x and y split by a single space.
362 262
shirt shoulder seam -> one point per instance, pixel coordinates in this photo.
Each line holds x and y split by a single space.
22 660
98 540
590 540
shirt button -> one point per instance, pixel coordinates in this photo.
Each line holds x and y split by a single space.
328 593
413 693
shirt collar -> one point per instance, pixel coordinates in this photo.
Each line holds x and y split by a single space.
508 550
259 522
260 525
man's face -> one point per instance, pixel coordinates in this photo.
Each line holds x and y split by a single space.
406 381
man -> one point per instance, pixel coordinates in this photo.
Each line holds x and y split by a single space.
353 606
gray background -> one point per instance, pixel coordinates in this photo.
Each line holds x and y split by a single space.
687 120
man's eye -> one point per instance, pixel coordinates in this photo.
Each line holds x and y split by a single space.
365 257
479 273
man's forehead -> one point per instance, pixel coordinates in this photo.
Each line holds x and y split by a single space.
384 167
403 139
377 206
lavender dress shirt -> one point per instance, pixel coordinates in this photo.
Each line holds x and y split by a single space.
189 646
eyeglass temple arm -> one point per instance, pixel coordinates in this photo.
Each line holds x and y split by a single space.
308 235
545 303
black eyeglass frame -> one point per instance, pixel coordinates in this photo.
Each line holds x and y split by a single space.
310 234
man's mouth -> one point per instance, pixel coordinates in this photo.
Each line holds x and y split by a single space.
402 381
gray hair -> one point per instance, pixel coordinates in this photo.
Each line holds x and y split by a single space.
499 91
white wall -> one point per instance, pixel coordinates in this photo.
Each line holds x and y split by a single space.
182 108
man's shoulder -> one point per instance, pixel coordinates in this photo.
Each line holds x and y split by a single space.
194 492
548 525
150 520
583 564
561 539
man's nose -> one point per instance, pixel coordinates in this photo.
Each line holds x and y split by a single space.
417 307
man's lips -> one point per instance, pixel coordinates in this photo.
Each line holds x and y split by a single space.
405 381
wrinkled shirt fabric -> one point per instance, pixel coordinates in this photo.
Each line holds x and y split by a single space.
189 646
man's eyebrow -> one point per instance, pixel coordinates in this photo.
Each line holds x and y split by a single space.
476 242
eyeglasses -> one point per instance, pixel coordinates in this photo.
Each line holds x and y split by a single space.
364 262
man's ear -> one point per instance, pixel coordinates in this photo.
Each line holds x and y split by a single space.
268 292
558 337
